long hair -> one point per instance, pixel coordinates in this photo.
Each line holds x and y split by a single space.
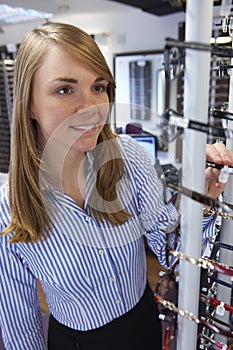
27 209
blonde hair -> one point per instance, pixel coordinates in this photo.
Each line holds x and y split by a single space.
28 213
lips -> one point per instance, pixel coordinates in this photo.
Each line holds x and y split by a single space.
83 127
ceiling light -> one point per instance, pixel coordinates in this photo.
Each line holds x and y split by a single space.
11 15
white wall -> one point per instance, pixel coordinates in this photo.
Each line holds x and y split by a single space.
130 30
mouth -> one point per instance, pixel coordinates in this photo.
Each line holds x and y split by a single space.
83 127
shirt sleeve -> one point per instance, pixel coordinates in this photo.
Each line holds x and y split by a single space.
20 315
161 220
208 230
157 218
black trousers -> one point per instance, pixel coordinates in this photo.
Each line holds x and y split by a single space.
138 329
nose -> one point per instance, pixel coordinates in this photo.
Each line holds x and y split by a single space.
86 100
86 105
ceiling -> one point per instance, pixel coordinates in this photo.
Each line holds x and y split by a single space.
155 7
57 8
159 7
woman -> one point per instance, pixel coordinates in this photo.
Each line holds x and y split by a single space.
77 204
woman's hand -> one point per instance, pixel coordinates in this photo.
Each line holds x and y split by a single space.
219 154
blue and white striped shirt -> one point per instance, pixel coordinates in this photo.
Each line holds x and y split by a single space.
91 272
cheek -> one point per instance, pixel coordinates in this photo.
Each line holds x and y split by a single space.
104 111
49 121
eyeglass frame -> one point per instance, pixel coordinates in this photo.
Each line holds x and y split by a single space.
180 46
190 316
205 263
171 118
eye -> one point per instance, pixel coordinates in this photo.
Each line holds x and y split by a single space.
100 88
66 90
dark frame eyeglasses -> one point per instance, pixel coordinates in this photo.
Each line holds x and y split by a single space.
220 208
218 113
173 125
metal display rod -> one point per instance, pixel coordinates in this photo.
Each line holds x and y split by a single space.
226 235
196 98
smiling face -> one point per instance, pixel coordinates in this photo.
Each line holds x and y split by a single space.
67 95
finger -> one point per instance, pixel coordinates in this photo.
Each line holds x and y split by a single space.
213 154
220 151
214 189
211 174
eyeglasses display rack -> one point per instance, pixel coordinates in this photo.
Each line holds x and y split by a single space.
6 100
199 99
196 98
226 255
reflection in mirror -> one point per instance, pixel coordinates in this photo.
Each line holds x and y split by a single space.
140 87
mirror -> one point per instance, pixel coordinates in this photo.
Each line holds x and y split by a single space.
140 88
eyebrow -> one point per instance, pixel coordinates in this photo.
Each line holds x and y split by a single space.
73 81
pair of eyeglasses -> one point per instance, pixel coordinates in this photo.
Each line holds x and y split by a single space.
191 317
209 316
205 263
216 303
167 287
214 165
170 334
225 171
221 208
222 245
222 114
172 179
173 125
223 68
174 55
216 50
170 337
219 281
173 175
207 342
227 25
174 60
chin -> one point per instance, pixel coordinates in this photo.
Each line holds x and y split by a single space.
85 146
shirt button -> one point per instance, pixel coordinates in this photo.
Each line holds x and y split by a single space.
117 301
111 279
88 218
101 252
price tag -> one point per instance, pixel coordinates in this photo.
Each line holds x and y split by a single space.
220 309
225 8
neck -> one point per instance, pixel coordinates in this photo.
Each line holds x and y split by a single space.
74 177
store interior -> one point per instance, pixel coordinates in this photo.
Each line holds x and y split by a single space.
146 44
